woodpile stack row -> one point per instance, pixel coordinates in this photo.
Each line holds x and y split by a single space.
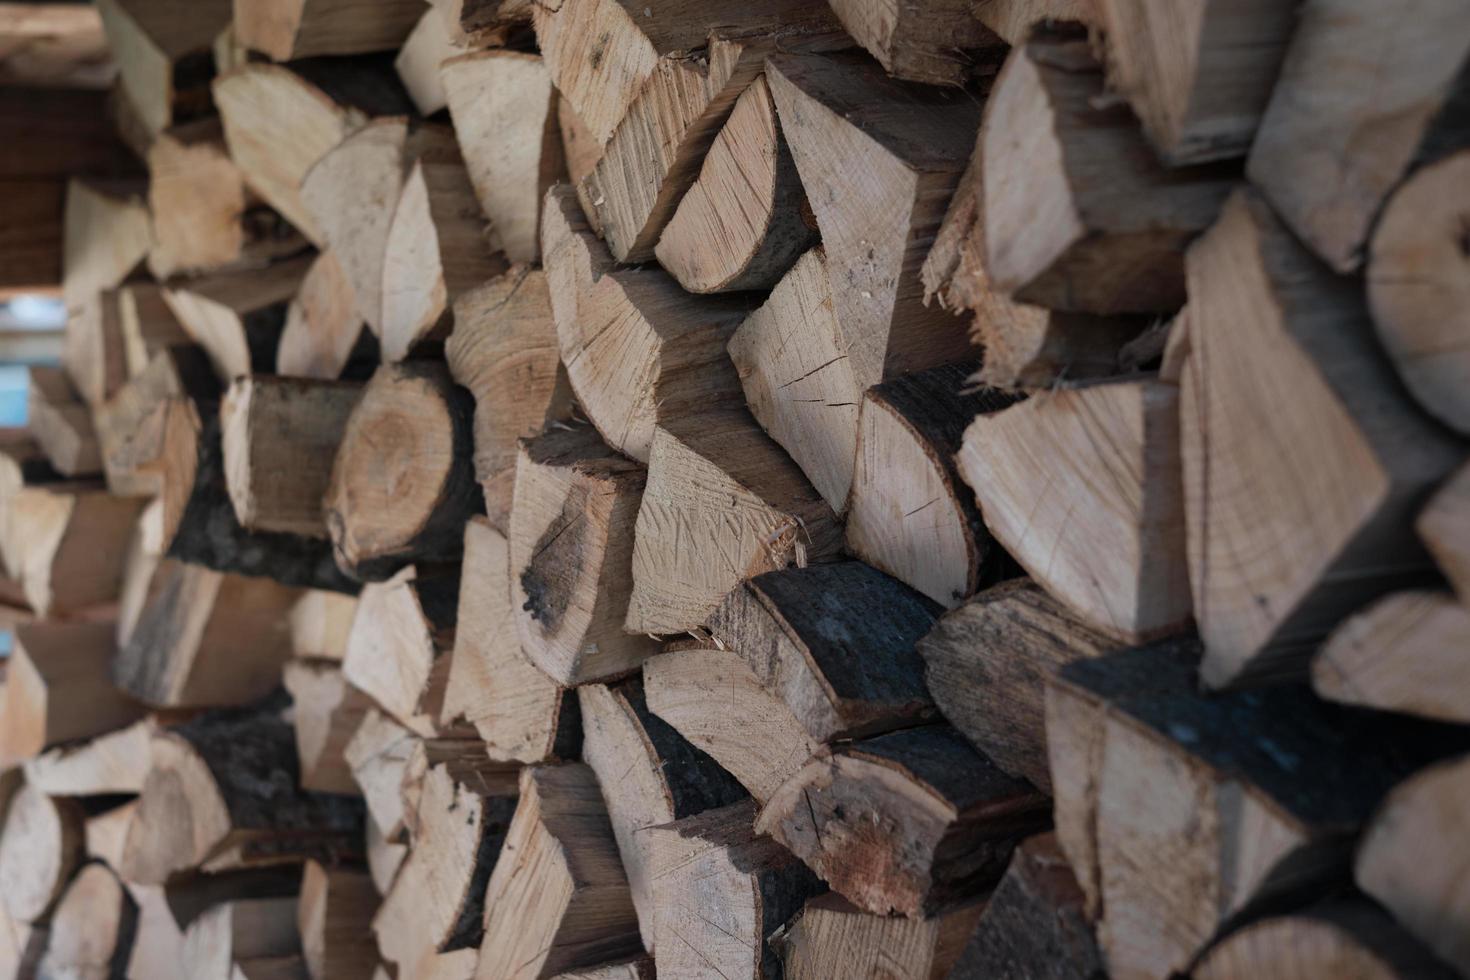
605 488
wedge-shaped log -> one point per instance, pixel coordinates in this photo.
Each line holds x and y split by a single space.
149 327
640 968
613 324
223 793
1079 213
934 43
1443 527
1229 768
327 713
437 902
61 423
1014 19
285 30
1333 143
908 512
321 622
164 55
106 237
91 932
400 635
323 332
333 914
249 937
649 775
237 317
1266 316
57 689
722 891
93 351
131 425
880 819
1412 860
504 111
741 223
830 937
1417 287
379 753
987 663
106 832
521 714
571 553
279 438
559 900
41 846
1108 450
67 544
113 763
427 47
205 638
718 487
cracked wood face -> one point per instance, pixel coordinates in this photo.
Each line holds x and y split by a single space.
832 938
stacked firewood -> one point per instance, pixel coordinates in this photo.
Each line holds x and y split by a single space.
590 488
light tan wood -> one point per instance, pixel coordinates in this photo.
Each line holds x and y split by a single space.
378 754
1333 143
22 945
1442 526
67 544
152 43
148 325
635 969
721 892
1269 583
106 237
131 426
41 846
328 712
742 223
560 899
504 350
144 555
323 328
613 324
93 349
436 250
321 622
427 47
1014 19
722 504
285 30
384 857
395 653
55 45
1079 213
581 150
504 112
571 552
987 661
91 931
113 762
106 833
222 942
829 937
333 915
521 714
1417 284
61 423
934 43
1412 861
237 317
402 483
280 436
1107 450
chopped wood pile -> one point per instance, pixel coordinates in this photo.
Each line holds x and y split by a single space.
630 488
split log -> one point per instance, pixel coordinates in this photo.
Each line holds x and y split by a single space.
571 553
934 43
634 969
205 638
1359 457
57 689
831 938
61 423
438 902
107 237
560 900
613 324
466 762
1198 76
1403 653
483 23
22 944
425 49
987 663
67 544
140 570
384 857
91 931
840 681
400 635
378 753
1232 824
323 331
1039 463
328 712
93 351
906 822
718 487
165 912
655 152
279 122
158 941
722 892
111 763
321 622
223 942
1013 20
1333 144
1413 861
403 483
908 513
1117 220
754 735
1344 938
131 425
1444 527
1417 287
105 834
649 775
237 317
164 55
223 793
742 223
333 915
520 714
149 327
581 150
504 350
41 846
436 250
504 112
284 30
279 439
